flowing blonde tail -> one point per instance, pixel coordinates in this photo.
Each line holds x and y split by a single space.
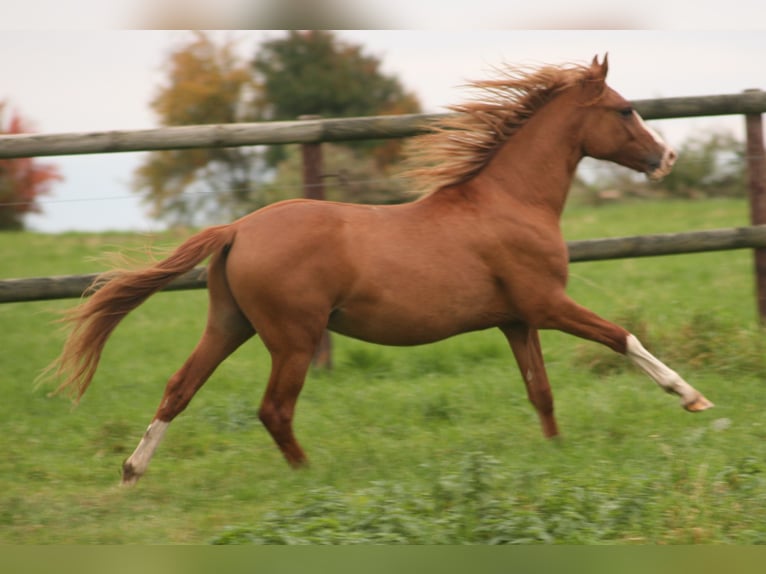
115 294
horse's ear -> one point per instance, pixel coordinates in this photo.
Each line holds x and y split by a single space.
594 79
600 69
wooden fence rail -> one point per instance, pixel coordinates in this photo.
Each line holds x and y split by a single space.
322 130
72 286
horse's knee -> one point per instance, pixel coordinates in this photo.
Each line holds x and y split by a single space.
275 418
267 415
539 391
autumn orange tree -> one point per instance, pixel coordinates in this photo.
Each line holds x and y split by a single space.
22 180
298 74
206 84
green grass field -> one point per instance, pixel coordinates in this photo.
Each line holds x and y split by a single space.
434 444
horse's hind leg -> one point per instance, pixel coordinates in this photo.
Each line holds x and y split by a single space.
291 335
525 343
226 330
288 373
212 349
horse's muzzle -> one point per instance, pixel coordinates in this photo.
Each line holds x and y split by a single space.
660 167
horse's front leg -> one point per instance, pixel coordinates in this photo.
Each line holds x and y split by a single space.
691 399
565 315
525 344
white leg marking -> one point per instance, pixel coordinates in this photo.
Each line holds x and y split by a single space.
139 460
664 376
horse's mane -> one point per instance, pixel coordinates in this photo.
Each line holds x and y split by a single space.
458 146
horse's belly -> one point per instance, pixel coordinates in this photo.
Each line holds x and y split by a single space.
414 324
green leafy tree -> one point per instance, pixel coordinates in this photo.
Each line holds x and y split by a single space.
315 73
22 180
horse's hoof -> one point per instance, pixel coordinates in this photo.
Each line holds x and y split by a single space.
129 475
699 403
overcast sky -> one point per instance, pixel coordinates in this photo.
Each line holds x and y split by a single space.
94 80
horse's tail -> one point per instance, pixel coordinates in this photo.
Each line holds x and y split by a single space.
115 294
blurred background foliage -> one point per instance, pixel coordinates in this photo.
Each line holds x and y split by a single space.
300 73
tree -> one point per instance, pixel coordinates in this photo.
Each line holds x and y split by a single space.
314 73
22 180
207 84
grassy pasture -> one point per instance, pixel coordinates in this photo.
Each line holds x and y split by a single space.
434 444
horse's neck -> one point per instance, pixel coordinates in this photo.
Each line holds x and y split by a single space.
537 164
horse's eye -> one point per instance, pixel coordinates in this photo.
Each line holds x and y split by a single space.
626 112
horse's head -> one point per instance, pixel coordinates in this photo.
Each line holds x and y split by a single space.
613 130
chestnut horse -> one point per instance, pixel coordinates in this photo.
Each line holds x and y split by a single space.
483 249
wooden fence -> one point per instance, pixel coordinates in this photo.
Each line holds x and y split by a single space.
751 104
319 130
70 286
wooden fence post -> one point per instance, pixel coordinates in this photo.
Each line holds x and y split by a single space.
313 188
756 171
